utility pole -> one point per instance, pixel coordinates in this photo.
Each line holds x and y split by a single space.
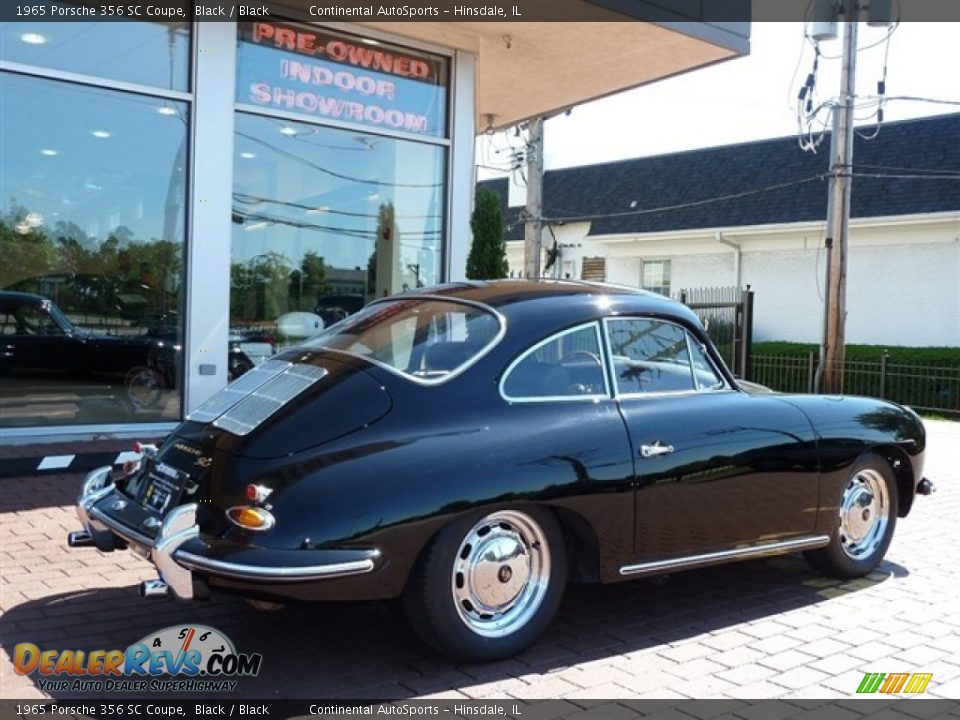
533 252
838 209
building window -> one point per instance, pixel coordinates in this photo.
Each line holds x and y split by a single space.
326 216
155 54
93 182
655 276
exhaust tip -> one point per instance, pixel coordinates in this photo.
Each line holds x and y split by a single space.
926 487
79 538
153 588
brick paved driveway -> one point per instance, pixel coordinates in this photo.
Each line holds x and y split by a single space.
762 629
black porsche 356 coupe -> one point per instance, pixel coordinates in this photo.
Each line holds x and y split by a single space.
472 447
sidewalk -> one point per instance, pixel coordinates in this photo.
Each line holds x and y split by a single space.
756 630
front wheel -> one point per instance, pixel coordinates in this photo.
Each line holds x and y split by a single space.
867 516
486 587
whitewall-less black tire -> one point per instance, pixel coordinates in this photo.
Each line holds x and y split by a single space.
488 584
866 518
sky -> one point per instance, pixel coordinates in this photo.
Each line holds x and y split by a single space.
749 98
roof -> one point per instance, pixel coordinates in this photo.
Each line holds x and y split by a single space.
922 146
22 298
535 309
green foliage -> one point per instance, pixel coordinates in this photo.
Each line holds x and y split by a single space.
308 283
488 252
118 275
946 356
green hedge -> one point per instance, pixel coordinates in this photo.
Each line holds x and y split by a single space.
944 356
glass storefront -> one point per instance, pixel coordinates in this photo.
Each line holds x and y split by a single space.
326 218
94 188
341 148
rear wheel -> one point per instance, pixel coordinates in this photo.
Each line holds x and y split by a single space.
486 587
867 516
144 387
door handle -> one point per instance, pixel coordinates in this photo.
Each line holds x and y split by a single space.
658 448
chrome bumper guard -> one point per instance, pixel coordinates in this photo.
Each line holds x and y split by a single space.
176 566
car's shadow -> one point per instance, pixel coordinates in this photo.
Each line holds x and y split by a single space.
368 651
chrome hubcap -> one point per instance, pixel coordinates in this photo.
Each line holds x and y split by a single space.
501 573
864 513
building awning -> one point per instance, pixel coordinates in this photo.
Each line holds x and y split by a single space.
526 69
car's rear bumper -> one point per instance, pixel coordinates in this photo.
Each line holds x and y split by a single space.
187 560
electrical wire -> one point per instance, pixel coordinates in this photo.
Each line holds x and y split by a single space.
914 98
906 169
682 206
905 176
326 171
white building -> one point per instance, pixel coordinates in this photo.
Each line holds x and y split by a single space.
904 253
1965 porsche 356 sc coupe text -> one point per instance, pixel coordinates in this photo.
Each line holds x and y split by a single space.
474 447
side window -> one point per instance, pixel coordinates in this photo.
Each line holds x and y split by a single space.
703 370
565 366
649 356
8 324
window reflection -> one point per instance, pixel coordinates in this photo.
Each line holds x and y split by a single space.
91 236
327 219
147 53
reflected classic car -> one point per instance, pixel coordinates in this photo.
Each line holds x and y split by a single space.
37 339
475 446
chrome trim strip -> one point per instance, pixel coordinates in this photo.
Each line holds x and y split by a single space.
274 574
774 548
558 398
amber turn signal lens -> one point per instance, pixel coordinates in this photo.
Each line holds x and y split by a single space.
250 518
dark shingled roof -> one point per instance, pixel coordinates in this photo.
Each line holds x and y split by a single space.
908 147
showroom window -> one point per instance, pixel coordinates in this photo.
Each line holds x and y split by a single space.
340 167
655 276
94 188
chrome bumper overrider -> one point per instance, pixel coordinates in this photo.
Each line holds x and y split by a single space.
176 566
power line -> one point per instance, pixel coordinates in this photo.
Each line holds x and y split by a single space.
915 98
681 206
906 169
904 176
327 171
254 199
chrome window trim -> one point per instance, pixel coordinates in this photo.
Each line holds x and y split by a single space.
741 553
665 393
706 355
557 398
425 382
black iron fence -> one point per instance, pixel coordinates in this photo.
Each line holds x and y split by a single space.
922 386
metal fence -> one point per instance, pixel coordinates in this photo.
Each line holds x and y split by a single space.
727 315
922 386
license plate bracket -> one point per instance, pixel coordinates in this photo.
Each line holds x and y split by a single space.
163 488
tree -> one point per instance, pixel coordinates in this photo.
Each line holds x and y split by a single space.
488 253
308 282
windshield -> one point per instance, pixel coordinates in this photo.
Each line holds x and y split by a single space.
58 315
425 339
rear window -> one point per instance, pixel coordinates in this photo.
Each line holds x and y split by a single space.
424 339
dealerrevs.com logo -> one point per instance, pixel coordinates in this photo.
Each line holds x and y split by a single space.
893 683
199 659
